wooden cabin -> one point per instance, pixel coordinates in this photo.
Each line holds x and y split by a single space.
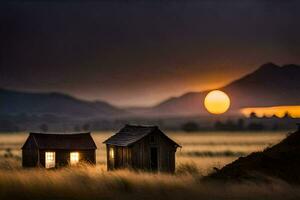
55 150
141 147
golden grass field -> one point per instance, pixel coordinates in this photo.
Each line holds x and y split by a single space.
200 153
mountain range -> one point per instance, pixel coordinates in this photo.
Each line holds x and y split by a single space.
269 85
15 102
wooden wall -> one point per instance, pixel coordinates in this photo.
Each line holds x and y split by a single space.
166 153
29 153
122 157
137 156
29 158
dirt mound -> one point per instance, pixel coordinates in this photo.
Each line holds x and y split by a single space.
281 161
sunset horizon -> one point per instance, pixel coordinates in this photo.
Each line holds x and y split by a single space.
141 52
137 102
149 99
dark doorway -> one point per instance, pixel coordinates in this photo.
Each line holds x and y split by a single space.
154 161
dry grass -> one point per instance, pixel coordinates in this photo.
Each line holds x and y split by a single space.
87 182
205 149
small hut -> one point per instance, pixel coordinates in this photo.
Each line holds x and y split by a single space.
55 150
141 147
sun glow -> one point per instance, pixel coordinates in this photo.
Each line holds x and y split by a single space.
278 111
217 102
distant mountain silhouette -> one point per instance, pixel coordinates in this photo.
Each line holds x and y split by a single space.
14 102
269 85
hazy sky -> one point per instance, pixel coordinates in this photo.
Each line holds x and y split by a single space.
141 52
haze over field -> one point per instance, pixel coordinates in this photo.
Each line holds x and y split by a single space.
201 153
207 93
269 85
139 53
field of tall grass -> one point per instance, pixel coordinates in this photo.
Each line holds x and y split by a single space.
200 153
87 182
204 149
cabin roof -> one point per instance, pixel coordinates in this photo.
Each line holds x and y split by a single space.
76 141
131 134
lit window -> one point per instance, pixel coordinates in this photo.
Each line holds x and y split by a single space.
111 152
50 159
74 158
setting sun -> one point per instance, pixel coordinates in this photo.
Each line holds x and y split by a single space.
217 102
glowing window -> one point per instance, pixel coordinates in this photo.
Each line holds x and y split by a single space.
111 152
49 159
74 158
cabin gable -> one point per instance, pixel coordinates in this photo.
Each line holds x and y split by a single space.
30 153
141 147
30 143
154 143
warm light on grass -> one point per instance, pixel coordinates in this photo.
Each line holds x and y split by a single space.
278 111
87 182
193 145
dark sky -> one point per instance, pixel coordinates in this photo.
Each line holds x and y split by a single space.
141 52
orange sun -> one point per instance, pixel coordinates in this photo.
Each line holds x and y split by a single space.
217 102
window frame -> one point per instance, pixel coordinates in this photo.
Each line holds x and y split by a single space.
50 159
76 155
112 153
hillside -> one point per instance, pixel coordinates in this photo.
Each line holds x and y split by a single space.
13 102
269 85
279 161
